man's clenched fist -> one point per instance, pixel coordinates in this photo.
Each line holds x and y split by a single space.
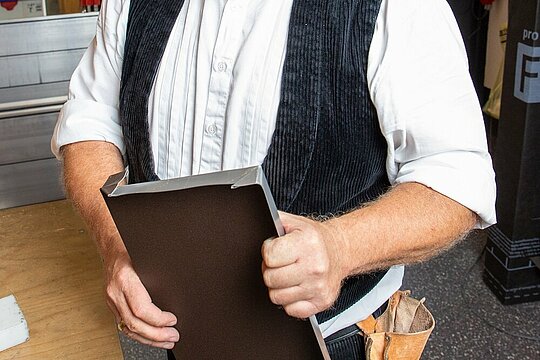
303 270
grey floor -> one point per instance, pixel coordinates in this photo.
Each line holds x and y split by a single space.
471 323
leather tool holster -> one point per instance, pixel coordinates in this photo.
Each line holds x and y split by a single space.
401 332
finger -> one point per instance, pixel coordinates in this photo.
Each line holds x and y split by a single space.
143 340
284 277
141 306
280 252
301 309
288 296
138 326
134 336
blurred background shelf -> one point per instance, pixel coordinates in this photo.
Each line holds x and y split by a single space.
37 58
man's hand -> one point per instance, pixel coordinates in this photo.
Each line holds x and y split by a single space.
86 167
303 269
130 303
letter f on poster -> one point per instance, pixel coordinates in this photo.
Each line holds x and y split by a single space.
527 81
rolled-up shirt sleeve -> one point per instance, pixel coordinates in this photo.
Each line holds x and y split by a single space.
427 106
91 112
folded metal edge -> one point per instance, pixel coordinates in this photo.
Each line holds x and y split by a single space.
113 182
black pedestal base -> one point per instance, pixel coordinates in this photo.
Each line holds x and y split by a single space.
509 271
511 296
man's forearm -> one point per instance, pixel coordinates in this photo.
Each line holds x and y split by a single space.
409 224
87 165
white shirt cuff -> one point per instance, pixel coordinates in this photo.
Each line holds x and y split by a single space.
86 120
466 177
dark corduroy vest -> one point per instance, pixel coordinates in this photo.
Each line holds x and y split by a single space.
327 154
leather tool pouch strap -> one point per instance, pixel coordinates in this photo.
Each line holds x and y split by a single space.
401 332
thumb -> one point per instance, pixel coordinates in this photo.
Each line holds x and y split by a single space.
290 222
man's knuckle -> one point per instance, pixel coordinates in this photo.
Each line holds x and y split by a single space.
267 278
132 326
319 268
274 297
267 259
110 296
110 291
270 262
139 311
122 275
266 249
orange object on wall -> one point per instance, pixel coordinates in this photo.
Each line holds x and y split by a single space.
69 6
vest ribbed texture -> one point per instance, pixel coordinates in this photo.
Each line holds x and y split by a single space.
149 26
327 154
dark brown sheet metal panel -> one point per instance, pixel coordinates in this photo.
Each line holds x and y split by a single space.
198 252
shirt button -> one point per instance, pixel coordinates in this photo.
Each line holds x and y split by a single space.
222 66
211 129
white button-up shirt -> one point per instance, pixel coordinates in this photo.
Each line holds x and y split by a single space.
214 102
